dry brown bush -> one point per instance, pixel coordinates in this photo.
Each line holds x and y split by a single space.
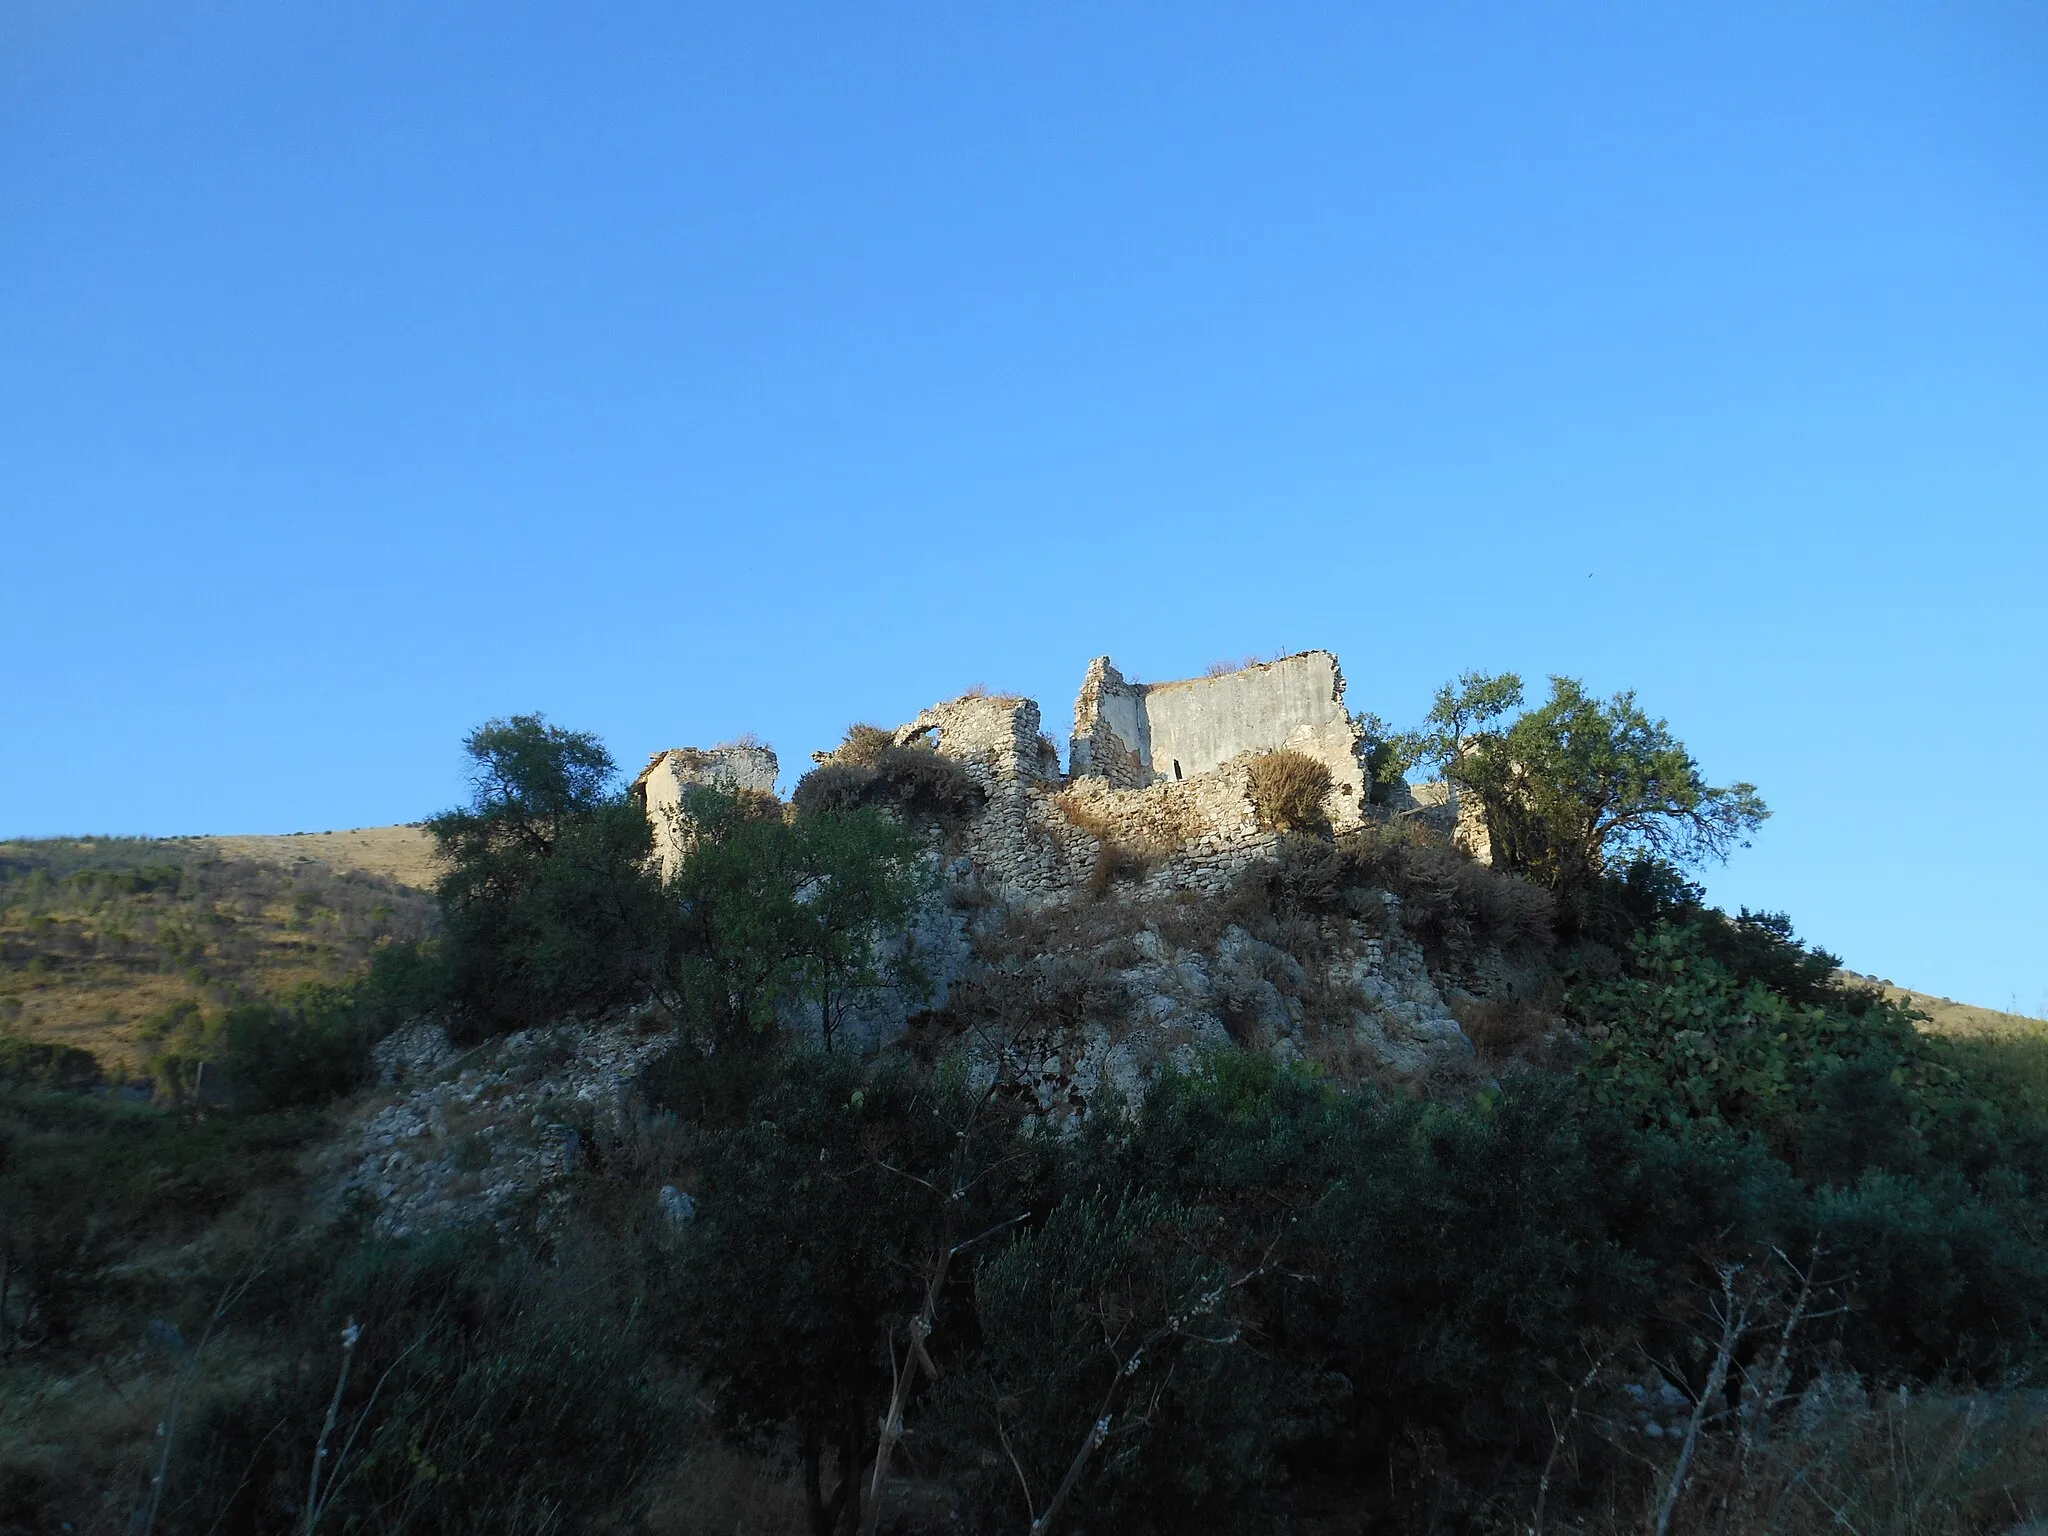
1503 1029
1287 790
1454 906
913 780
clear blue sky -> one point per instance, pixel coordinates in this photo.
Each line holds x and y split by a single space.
368 370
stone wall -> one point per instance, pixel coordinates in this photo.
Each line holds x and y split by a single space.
1193 834
1457 819
670 775
1017 842
1131 735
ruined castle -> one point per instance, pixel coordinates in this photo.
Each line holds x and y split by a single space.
1159 772
1159 796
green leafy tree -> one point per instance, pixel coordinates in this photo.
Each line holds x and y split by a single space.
767 910
1580 784
827 1217
861 874
549 896
1104 1380
1458 712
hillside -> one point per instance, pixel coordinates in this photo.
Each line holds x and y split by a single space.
973 1142
99 935
404 853
1946 1016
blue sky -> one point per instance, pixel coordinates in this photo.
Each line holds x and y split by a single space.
681 370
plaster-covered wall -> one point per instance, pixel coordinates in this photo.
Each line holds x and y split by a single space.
670 775
1135 734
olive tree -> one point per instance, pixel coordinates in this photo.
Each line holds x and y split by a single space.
1579 783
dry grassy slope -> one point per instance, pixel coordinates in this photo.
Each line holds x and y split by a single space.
98 934
404 854
1946 1016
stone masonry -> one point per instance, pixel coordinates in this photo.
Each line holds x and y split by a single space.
1132 735
670 775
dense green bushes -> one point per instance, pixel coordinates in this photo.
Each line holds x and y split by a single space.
45 1066
553 905
1259 1280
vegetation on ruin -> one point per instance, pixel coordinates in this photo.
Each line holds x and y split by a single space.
869 771
1579 785
1708 1239
1287 790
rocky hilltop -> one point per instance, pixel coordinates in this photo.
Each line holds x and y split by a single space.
1214 865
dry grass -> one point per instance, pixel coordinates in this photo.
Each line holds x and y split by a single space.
1946 1016
405 855
1224 667
1287 790
97 935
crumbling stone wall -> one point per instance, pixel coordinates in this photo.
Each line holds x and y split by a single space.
1132 735
670 775
1158 778
1193 833
1017 843
1041 839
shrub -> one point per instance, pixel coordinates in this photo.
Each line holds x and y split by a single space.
1287 790
497 1390
1682 1042
869 770
45 1067
1452 904
863 745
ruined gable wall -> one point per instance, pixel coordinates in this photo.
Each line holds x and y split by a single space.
1110 734
1297 702
670 775
1135 734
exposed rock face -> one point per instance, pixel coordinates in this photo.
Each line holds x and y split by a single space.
670 775
486 1135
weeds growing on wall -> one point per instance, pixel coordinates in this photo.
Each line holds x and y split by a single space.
870 771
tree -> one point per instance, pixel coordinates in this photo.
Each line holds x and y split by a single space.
767 909
860 876
1459 710
1100 1331
1580 784
828 1214
549 892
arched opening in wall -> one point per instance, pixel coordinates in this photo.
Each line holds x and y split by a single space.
1176 767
